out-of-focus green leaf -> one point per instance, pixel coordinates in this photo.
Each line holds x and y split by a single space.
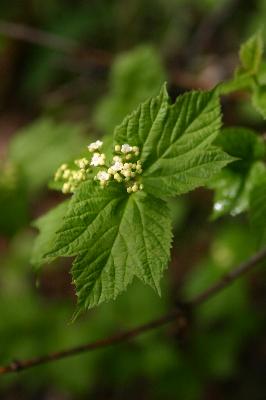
242 143
41 147
251 54
13 199
135 76
233 184
48 225
258 210
259 100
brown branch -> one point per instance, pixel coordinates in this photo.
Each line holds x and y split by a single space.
55 42
229 278
37 36
179 315
16 366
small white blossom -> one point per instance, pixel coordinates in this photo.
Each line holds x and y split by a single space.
117 158
66 174
118 177
66 187
79 175
103 176
126 173
135 188
126 148
135 149
117 166
117 147
97 159
57 175
82 163
95 146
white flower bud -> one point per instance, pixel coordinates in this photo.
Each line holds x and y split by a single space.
129 189
126 173
103 176
66 187
117 158
57 175
97 159
135 149
126 148
117 177
82 163
117 148
117 166
66 174
95 146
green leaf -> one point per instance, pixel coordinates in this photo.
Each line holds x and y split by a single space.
258 210
242 81
259 99
250 70
251 53
115 237
47 225
228 197
242 143
187 174
39 149
13 199
233 184
232 189
175 141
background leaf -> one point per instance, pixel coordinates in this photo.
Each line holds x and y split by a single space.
40 148
251 53
131 82
232 185
258 210
47 225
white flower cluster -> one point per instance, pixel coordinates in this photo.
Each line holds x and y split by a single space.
72 177
125 167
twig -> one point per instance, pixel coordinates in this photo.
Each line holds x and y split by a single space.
178 315
37 36
229 278
16 366
53 41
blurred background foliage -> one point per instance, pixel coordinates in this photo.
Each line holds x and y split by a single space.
106 57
